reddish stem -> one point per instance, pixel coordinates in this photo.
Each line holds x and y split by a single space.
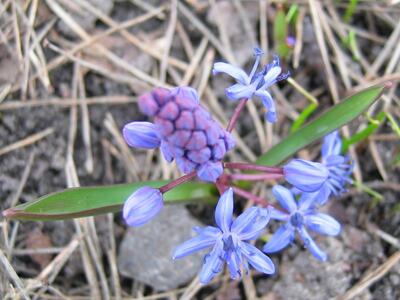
250 196
236 113
252 167
176 182
255 177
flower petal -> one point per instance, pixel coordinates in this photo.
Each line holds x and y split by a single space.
322 223
277 214
269 104
213 263
233 261
245 219
231 70
280 239
193 245
332 145
306 175
310 244
165 150
254 229
210 231
285 198
141 135
257 259
224 211
271 76
239 91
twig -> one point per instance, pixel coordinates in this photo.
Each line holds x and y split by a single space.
27 141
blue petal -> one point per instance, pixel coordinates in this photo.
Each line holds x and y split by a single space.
239 91
210 171
254 227
213 263
277 214
210 231
269 104
165 150
224 211
193 245
311 245
233 261
142 205
271 76
257 259
332 144
280 239
308 200
245 219
305 175
322 224
233 71
285 198
141 135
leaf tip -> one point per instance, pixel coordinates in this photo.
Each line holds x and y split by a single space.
388 84
9 213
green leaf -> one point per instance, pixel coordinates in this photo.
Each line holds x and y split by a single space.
334 118
89 201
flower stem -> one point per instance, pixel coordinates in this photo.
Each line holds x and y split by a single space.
176 182
250 196
236 113
255 177
252 167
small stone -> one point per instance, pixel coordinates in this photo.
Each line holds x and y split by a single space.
145 253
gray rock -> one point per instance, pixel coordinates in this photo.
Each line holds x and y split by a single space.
145 253
308 278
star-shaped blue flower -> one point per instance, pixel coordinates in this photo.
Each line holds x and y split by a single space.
299 217
254 84
229 241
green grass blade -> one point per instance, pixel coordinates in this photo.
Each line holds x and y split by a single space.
303 117
334 118
90 201
363 134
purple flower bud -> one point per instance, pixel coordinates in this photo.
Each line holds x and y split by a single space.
305 175
147 104
210 171
143 205
141 135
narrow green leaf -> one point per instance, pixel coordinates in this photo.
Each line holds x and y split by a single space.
334 118
89 201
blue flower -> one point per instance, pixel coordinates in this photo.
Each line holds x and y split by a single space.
229 241
307 176
143 205
340 167
254 84
299 216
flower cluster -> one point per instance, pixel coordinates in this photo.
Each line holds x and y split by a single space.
185 132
